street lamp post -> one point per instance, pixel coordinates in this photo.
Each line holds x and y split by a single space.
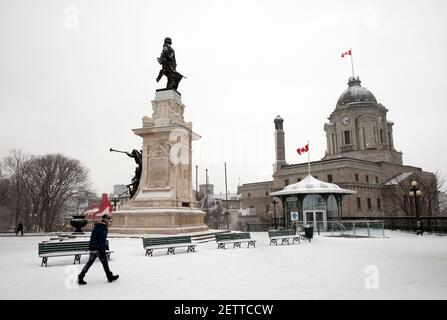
274 201
416 192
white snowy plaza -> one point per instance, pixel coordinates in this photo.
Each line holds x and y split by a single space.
400 266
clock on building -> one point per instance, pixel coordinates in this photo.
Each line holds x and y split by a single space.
345 120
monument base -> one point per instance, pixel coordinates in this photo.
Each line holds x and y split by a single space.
158 221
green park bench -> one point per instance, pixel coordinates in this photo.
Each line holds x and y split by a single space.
52 249
234 238
284 236
169 243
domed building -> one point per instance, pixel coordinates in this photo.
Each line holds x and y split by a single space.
360 156
358 127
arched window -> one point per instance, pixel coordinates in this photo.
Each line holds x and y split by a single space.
332 208
314 202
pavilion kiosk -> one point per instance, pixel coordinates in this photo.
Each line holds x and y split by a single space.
316 202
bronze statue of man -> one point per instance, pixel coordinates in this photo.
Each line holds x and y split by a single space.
136 155
168 63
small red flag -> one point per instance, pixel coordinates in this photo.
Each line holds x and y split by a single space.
346 53
303 149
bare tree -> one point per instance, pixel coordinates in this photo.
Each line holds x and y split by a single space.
43 186
428 201
15 165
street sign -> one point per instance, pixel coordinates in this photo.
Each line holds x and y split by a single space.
292 199
293 215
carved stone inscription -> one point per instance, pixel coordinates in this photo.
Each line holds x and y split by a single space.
158 165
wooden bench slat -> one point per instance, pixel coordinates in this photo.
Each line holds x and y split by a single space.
235 238
283 235
170 243
68 248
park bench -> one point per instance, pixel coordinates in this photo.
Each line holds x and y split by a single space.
52 249
284 236
169 243
234 238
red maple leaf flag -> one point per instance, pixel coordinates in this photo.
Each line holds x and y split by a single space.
346 53
303 149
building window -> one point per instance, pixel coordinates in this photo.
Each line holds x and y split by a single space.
266 208
298 180
367 178
329 178
381 136
286 182
356 177
359 204
375 134
333 143
369 204
347 136
377 179
249 194
364 138
379 205
316 177
266 193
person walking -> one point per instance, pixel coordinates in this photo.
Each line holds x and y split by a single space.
19 229
97 249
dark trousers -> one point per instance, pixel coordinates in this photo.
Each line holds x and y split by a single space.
21 232
102 257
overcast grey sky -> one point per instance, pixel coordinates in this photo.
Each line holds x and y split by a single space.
77 76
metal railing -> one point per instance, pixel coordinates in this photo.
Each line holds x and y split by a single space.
431 224
347 228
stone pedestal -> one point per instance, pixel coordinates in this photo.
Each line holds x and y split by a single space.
164 202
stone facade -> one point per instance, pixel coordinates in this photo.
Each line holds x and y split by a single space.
164 201
257 196
360 156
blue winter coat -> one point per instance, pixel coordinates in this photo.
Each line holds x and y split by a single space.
99 237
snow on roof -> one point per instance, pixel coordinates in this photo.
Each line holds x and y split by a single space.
398 179
312 185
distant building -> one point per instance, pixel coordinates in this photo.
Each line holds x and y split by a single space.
119 189
203 187
360 156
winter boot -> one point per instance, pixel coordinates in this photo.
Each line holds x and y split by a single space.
112 277
81 279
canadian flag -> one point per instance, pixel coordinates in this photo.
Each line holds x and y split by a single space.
303 149
346 53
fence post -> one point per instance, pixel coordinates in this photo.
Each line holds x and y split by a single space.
353 227
367 225
383 228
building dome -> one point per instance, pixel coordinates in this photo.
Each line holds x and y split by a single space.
355 93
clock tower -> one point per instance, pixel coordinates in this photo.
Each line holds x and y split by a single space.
358 127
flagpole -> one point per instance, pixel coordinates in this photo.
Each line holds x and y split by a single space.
352 63
308 157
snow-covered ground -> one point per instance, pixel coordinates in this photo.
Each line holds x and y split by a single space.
402 266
